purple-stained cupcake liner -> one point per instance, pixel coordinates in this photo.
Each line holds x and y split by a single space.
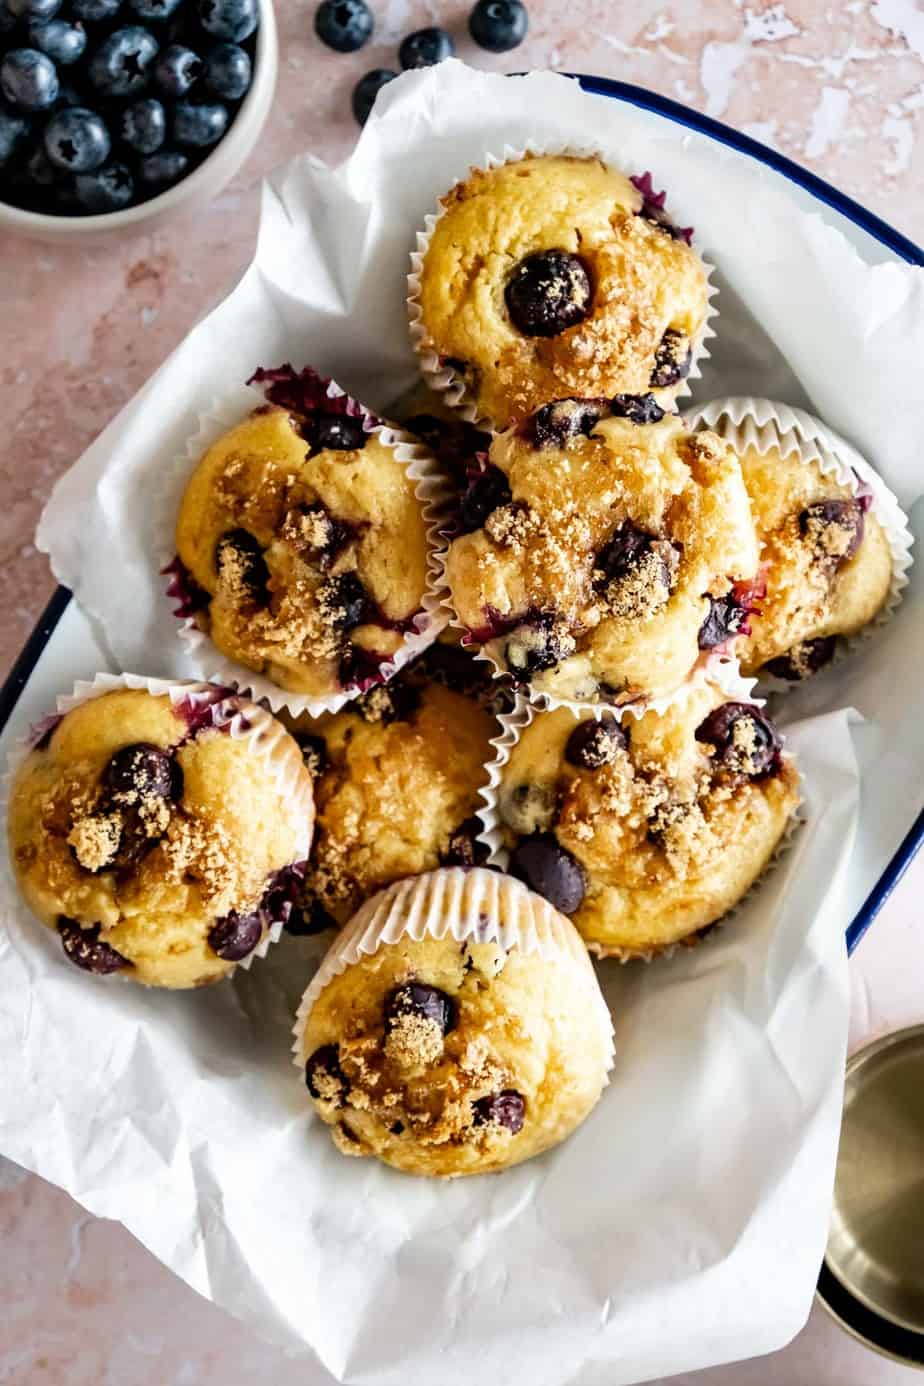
449 383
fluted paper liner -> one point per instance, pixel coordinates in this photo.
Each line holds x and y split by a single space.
449 383
463 903
513 725
764 424
430 487
226 710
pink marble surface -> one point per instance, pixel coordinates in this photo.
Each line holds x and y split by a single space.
839 87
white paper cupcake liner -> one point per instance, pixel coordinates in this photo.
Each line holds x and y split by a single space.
431 488
513 725
228 711
448 383
764 424
464 903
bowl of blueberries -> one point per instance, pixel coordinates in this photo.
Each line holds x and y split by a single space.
118 112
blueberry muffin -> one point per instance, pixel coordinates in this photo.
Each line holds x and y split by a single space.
459 1054
155 843
595 545
645 831
554 276
397 779
302 544
826 564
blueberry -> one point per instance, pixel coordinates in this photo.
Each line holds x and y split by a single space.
240 562
28 79
420 999
164 168
199 126
153 11
463 848
308 919
7 21
627 549
235 936
41 170
555 424
425 47
63 43
108 189
143 771
367 89
673 359
725 619
745 742
536 645
227 71
233 20
803 659
324 1076
548 292
86 950
344 25
317 534
485 494
457 669
506 1108
639 409
41 10
834 528
177 70
14 129
77 140
498 25
345 601
594 744
336 433
121 64
94 11
544 865
143 126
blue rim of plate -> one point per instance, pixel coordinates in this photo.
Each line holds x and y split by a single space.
874 226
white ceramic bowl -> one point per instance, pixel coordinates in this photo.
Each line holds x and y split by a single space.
199 187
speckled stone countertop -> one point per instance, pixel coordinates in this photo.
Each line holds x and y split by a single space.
838 87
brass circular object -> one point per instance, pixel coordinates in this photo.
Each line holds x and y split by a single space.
873 1277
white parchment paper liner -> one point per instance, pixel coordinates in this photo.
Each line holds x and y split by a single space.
764 424
465 903
513 725
228 711
430 487
446 381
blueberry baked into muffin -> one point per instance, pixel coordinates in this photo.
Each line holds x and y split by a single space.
553 276
457 1054
155 843
302 545
397 779
597 547
647 830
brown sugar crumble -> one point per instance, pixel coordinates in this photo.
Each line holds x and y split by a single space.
95 839
412 1041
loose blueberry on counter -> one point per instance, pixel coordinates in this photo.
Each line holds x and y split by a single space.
718 729
228 71
548 292
533 646
555 424
639 409
803 659
86 950
420 999
463 847
498 25
241 547
325 1063
547 868
14 130
142 771
485 494
153 11
367 89
425 48
198 126
306 920
143 126
77 140
177 70
122 63
725 619
28 79
844 515
42 10
235 936
673 360
94 11
336 433
344 25
505 1108
593 744
63 43
108 189
233 20
163 168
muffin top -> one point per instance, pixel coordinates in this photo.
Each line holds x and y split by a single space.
597 544
555 275
448 1057
152 840
826 564
647 830
397 775
306 547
